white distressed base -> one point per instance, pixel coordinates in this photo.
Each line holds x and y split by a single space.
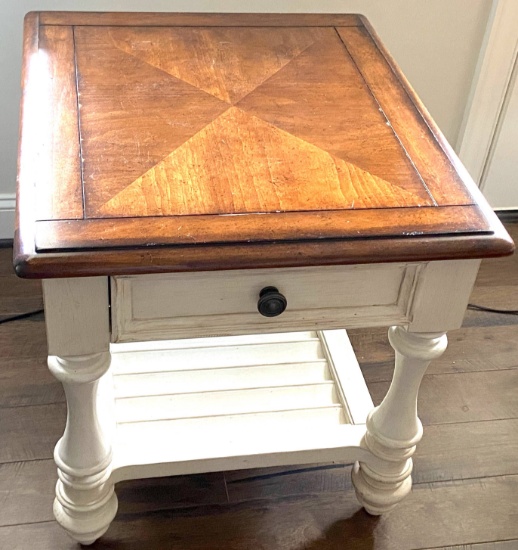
189 406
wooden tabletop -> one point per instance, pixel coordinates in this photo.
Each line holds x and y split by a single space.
177 142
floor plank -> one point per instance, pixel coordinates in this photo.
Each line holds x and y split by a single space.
495 545
27 381
22 339
447 452
456 513
27 491
32 432
469 349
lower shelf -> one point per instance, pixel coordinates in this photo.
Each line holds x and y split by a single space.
189 406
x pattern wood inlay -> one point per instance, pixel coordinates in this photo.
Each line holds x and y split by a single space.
182 121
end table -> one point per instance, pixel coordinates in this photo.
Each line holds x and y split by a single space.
210 201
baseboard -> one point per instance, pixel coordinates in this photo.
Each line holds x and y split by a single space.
7 204
509 215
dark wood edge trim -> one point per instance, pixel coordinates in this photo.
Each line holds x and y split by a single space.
434 129
61 235
186 19
24 243
256 256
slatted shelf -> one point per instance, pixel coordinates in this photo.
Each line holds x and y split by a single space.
235 402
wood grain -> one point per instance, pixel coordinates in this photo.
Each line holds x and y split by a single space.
198 19
50 118
283 226
132 114
134 261
230 62
257 171
331 107
31 431
464 397
274 114
428 157
61 168
486 348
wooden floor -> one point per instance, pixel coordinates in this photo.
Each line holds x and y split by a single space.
466 468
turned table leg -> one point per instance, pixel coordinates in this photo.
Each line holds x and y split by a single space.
78 336
393 428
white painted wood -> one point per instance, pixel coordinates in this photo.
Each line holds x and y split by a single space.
490 86
442 295
217 357
77 315
226 402
205 404
231 446
206 380
346 371
76 312
85 501
214 342
239 416
190 305
393 428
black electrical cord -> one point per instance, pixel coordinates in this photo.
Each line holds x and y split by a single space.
21 316
493 310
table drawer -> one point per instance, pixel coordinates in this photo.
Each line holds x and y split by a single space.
182 305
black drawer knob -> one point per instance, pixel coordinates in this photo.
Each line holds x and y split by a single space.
271 302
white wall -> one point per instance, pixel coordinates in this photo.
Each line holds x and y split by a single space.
435 42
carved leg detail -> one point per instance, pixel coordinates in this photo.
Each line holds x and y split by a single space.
393 428
85 502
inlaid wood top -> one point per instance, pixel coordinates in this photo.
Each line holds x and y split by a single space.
165 142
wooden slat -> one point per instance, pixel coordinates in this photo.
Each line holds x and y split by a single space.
149 449
346 372
216 357
430 160
219 379
216 341
197 20
225 402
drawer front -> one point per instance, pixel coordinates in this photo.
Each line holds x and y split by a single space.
185 305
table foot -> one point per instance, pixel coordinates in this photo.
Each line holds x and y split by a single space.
393 428
375 495
84 507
